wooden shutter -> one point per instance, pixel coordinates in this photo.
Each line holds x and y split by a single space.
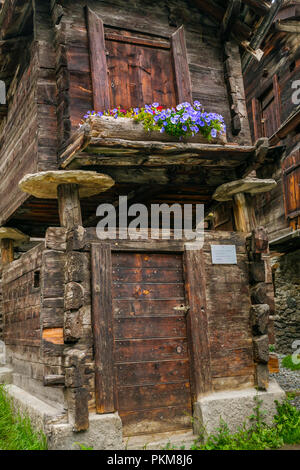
181 66
98 61
291 185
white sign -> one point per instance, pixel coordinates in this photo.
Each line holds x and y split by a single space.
223 254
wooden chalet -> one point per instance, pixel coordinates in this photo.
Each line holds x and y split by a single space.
131 336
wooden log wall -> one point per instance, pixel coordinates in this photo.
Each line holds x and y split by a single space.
278 69
263 306
67 314
204 50
32 288
28 133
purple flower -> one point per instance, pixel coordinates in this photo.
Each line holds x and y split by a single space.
213 133
184 128
155 105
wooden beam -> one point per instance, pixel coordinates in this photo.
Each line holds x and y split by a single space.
260 7
216 13
288 26
230 17
261 33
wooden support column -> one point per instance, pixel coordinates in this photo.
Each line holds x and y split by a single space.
67 187
69 205
244 215
9 236
241 191
7 251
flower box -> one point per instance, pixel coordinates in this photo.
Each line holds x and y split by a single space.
107 127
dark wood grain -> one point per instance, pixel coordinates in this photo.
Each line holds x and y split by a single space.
102 327
98 61
182 73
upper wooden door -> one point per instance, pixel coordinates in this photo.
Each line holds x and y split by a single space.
131 69
140 71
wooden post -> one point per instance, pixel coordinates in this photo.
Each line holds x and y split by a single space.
197 323
244 214
69 205
7 251
102 324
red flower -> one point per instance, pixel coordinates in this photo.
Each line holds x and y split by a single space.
159 108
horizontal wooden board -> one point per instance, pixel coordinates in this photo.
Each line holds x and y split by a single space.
156 420
145 397
155 260
141 307
150 349
150 327
148 291
147 274
149 373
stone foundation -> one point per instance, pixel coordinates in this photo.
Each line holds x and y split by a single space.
234 407
286 276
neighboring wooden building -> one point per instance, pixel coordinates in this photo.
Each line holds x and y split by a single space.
273 98
130 332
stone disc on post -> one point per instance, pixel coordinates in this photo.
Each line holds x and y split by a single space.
44 184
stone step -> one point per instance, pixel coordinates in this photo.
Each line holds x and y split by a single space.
5 375
174 440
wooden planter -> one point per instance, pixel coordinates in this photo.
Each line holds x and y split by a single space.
107 127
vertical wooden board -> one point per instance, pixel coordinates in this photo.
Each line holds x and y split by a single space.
98 61
197 323
256 119
182 73
102 325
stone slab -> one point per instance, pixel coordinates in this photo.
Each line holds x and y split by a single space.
234 407
104 433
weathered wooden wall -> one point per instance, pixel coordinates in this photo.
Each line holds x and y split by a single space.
279 67
204 49
28 133
28 338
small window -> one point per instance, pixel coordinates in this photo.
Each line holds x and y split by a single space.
36 279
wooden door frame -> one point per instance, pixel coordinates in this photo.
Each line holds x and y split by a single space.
102 315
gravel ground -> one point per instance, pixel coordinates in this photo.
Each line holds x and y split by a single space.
289 380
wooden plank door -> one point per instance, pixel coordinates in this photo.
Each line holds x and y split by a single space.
151 358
